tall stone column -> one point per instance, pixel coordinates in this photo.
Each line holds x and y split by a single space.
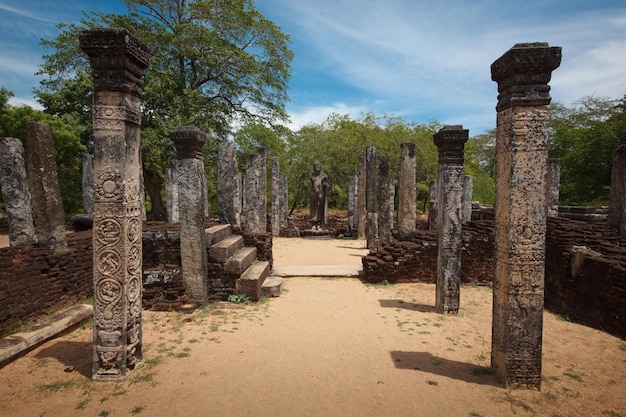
285 201
256 189
407 194
522 74
118 60
468 188
361 203
228 184
353 181
171 192
43 182
617 199
189 141
553 186
15 193
385 218
87 182
432 205
277 196
450 142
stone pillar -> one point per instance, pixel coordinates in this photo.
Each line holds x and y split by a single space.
277 196
118 60
617 199
256 188
228 184
353 181
15 193
87 183
189 141
432 205
450 142
553 184
171 192
43 182
522 74
361 203
407 194
370 179
285 201
385 217
468 187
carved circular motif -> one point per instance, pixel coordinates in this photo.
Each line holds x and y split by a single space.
108 262
134 258
108 232
134 289
109 186
109 291
134 230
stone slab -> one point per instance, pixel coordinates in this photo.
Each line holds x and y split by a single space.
17 344
318 271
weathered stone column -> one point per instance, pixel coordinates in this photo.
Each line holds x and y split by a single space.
353 183
285 201
228 184
432 205
189 141
277 196
553 186
522 74
87 182
468 187
43 182
371 198
361 198
256 189
171 192
617 199
385 217
118 60
450 142
15 193
407 194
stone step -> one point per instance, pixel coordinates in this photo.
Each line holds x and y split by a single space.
217 233
224 249
272 287
240 261
252 280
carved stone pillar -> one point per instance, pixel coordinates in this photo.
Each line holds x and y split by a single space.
277 197
407 194
553 186
361 214
468 188
87 182
228 184
385 217
118 60
450 142
191 204
522 74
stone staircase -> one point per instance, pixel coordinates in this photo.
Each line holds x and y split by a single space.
254 278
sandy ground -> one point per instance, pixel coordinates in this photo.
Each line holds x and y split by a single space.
326 347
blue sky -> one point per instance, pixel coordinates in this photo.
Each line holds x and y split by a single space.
418 59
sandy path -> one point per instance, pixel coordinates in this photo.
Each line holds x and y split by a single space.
326 347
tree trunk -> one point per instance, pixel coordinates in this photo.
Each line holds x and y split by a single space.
153 184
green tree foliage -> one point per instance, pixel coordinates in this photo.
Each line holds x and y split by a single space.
585 137
67 145
213 62
480 163
339 141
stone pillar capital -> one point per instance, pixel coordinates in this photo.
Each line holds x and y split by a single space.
523 73
189 141
450 142
118 59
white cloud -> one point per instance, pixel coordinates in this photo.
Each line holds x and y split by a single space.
318 114
25 101
28 13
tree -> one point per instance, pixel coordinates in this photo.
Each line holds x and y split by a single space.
213 62
480 163
585 137
67 146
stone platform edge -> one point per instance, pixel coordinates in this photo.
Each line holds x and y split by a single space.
14 346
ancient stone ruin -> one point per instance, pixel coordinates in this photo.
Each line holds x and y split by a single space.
118 60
